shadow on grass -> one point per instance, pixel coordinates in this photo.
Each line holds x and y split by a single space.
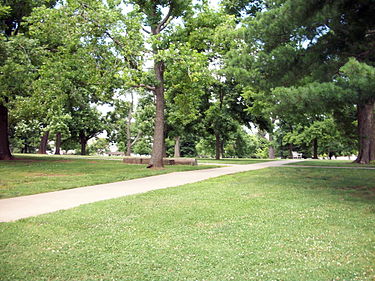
354 184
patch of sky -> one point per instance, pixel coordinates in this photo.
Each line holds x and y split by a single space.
320 31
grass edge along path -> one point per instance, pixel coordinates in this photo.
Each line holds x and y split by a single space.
332 163
234 161
269 224
37 174
32 205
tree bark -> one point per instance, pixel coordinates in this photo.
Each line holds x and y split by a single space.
271 149
4 135
177 145
58 144
158 143
83 142
164 147
128 136
128 151
43 143
217 146
366 128
315 148
222 148
128 131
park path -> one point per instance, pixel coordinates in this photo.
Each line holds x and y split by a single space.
12 209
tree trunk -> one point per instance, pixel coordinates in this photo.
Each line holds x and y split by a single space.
158 146
177 151
128 131
366 128
158 143
83 142
43 143
58 144
222 148
128 151
4 138
128 137
217 146
25 148
271 149
164 147
315 148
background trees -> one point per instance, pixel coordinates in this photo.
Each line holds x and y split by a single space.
301 72
300 45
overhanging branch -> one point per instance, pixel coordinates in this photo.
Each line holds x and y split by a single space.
163 24
136 138
151 88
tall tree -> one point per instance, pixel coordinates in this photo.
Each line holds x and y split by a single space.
18 58
156 22
298 42
18 70
353 90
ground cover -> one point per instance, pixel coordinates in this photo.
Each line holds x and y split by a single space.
241 161
335 163
271 224
37 174
71 156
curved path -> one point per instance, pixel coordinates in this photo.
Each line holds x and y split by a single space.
32 205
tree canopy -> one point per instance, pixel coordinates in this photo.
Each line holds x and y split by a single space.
180 77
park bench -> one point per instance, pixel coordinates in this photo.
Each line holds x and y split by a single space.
296 155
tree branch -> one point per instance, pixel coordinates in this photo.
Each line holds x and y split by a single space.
166 24
151 88
145 30
132 63
163 24
136 138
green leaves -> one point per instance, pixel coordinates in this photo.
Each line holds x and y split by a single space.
360 78
154 11
19 68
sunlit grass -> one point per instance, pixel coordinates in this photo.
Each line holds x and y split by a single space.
36 174
271 224
336 163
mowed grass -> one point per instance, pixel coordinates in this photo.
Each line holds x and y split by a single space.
335 163
36 174
240 161
270 224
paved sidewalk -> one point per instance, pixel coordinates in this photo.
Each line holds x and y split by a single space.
32 205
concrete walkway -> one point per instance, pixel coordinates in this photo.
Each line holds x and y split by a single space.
32 205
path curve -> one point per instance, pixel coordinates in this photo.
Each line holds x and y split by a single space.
12 209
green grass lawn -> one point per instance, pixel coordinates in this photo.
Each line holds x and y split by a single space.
71 156
36 174
336 163
270 224
242 161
